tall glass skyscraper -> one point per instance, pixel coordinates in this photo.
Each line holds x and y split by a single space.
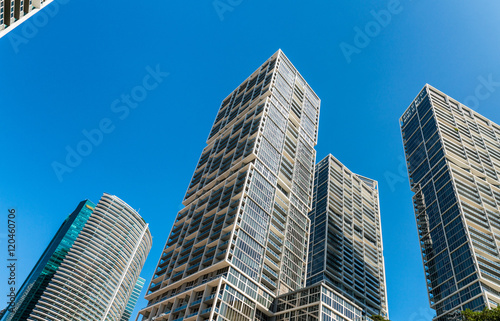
345 248
242 238
48 264
133 299
453 158
90 268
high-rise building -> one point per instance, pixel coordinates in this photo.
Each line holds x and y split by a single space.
48 264
242 238
317 302
345 247
133 299
14 12
453 158
90 268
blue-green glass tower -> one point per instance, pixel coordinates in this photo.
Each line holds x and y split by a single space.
133 299
32 289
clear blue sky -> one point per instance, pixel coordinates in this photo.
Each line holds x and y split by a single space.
62 77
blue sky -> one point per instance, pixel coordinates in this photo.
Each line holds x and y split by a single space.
61 75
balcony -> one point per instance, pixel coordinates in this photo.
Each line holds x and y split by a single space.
219 218
272 261
198 250
154 287
277 230
273 245
195 223
182 307
177 275
223 204
270 283
271 272
192 269
205 312
172 242
273 255
221 254
188 243
208 260
166 256
152 303
212 206
183 259
210 299
276 238
160 272
226 236
281 227
196 258
185 251
223 245
164 314
206 226
181 216
232 211
215 235
161 269
176 230
203 235
216 226
230 219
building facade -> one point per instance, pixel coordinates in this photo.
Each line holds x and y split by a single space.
133 299
14 12
345 248
37 281
242 238
94 268
453 159
317 302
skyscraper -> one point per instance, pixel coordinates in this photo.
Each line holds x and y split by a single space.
242 238
453 158
317 302
133 299
345 247
90 268
48 264
14 12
